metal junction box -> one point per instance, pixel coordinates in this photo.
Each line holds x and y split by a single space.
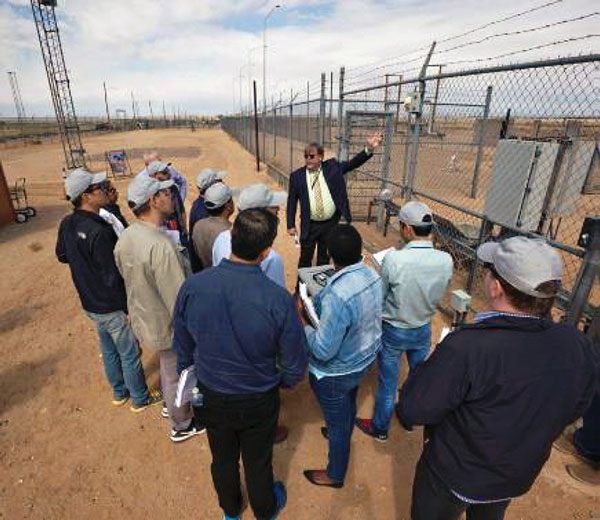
520 178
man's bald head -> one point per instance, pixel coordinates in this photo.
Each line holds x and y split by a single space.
151 156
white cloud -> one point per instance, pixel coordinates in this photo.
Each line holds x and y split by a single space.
190 53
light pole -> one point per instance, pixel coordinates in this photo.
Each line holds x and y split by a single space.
264 85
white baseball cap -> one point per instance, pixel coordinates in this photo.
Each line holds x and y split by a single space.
156 167
414 213
523 262
80 180
208 177
217 196
142 189
260 196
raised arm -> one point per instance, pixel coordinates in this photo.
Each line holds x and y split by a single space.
359 159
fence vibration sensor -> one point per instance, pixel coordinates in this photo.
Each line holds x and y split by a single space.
461 301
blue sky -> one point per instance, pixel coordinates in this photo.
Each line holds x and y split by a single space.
191 53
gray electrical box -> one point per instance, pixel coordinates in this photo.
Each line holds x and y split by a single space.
520 177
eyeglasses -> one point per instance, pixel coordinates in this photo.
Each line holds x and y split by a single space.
310 155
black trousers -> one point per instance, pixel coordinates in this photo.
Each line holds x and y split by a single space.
246 425
432 500
318 231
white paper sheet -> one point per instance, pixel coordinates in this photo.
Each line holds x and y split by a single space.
308 305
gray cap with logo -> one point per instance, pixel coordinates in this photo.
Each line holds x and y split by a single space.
260 196
415 213
80 180
208 177
142 189
523 262
156 167
217 196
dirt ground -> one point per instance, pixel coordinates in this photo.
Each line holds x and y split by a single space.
66 453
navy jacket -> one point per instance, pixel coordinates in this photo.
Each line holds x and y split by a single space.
494 396
86 242
240 330
334 172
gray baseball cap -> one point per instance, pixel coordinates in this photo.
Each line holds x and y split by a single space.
157 166
523 262
413 213
142 189
80 180
217 196
260 196
208 177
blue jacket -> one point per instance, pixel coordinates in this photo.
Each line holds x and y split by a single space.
334 172
349 310
240 330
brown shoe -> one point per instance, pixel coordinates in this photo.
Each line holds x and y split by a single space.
319 477
281 433
586 473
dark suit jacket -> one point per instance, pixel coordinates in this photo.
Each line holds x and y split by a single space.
334 172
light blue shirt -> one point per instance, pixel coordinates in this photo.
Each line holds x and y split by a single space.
272 266
349 333
415 279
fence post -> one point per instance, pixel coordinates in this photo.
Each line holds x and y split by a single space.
340 135
588 273
256 128
321 129
330 102
273 129
291 131
481 142
398 102
385 164
436 96
414 151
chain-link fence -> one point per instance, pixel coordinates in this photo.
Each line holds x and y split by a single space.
494 152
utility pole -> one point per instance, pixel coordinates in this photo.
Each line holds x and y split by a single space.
106 102
150 107
133 105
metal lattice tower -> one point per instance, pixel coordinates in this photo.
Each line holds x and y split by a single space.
16 92
58 81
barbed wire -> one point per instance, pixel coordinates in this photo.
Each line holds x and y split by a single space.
520 51
461 35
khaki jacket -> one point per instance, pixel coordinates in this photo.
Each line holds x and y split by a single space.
153 269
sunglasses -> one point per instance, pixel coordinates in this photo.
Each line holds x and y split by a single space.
310 155
94 187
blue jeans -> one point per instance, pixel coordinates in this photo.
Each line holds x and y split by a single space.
337 398
121 356
415 342
587 438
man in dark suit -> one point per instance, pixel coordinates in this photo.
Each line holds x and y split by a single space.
321 189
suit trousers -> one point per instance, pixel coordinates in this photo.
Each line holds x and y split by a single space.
318 231
242 424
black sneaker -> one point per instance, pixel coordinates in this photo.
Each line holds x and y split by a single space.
164 413
184 435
